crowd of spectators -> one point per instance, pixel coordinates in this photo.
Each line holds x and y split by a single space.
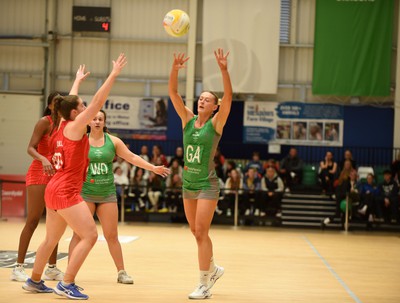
260 185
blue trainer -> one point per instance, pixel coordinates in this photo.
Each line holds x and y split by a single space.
31 286
71 291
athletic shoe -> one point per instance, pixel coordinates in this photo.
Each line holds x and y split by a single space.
53 274
36 287
124 278
19 274
201 292
247 212
71 291
214 276
363 210
257 212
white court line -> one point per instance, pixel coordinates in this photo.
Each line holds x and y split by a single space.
333 272
121 239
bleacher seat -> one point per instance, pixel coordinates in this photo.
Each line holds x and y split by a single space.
310 174
363 172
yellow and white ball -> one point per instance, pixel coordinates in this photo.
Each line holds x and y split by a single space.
176 23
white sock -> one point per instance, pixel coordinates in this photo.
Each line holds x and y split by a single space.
203 277
212 265
65 283
20 265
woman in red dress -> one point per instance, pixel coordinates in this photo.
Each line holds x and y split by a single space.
64 204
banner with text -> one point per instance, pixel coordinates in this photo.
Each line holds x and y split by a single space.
135 117
293 123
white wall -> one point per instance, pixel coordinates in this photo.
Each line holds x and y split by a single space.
18 116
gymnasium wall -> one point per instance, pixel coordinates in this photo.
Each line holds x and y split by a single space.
18 116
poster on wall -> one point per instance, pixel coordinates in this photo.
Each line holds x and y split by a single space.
135 117
293 123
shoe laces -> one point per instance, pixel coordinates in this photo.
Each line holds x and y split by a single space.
77 287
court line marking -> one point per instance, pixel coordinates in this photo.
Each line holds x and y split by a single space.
333 272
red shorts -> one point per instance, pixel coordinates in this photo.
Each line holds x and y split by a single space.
35 174
58 196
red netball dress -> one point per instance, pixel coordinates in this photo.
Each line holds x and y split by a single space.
70 159
35 174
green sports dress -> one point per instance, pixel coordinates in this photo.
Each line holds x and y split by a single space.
200 180
99 186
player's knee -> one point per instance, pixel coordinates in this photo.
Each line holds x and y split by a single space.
31 224
200 234
92 237
111 236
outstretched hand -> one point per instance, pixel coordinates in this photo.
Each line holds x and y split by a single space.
81 74
162 170
119 64
179 61
221 58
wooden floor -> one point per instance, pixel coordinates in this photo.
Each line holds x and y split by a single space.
261 265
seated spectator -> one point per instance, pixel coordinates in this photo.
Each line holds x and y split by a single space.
347 156
137 195
368 196
342 188
219 163
158 156
388 199
271 163
144 153
255 163
121 181
233 184
291 169
178 156
354 193
395 168
231 165
175 168
155 190
251 193
173 193
221 197
124 165
327 173
272 186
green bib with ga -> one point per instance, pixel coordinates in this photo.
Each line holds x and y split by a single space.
199 145
100 176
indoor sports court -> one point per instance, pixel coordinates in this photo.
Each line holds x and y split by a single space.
297 107
262 265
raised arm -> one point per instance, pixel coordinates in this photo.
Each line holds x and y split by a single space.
183 112
84 118
220 118
80 76
122 151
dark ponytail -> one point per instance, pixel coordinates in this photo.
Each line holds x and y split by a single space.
47 110
62 108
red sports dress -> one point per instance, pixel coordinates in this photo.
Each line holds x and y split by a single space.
70 159
35 174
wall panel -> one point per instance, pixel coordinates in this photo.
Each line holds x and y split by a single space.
22 17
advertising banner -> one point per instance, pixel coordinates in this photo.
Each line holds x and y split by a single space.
293 123
135 117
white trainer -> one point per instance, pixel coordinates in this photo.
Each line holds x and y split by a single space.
19 274
124 278
201 292
53 274
214 276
